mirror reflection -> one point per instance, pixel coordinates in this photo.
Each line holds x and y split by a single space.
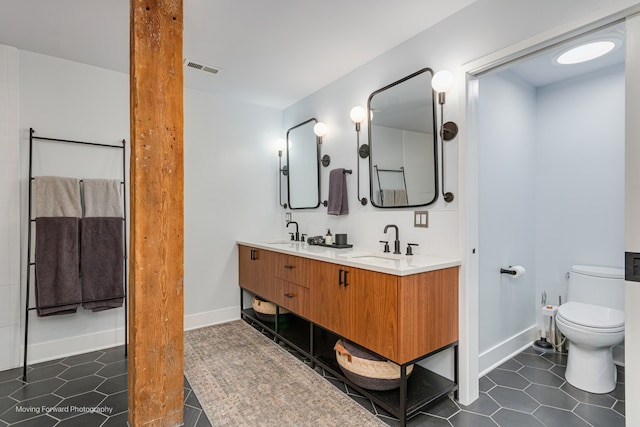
402 143
303 166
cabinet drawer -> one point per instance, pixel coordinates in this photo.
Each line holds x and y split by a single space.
293 269
292 297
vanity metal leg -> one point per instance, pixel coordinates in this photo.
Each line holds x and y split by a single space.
312 355
403 395
456 377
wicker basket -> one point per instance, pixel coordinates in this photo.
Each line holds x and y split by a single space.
266 311
366 369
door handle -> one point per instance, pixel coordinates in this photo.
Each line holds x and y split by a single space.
340 281
345 278
252 255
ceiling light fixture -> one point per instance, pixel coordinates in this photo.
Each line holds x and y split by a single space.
585 52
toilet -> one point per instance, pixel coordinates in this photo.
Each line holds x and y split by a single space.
592 319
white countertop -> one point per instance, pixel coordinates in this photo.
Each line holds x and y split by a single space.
358 257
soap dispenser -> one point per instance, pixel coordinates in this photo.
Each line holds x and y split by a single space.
328 239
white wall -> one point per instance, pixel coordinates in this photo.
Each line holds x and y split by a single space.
579 205
67 100
507 120
9 210
231 173
230 186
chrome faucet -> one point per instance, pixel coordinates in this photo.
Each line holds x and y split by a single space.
396 243
297 235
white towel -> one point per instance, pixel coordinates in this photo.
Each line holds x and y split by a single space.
57 196
388 198
400 197
102 198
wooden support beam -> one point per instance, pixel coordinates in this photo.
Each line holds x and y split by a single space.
156 309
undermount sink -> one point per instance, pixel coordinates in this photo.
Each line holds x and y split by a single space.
281 242
374 257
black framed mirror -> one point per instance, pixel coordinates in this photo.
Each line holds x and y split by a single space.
403 167
303 166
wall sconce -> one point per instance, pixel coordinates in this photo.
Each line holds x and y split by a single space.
358 114
442 82
320 129
282 170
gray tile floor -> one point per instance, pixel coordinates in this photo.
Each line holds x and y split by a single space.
528 390
85 390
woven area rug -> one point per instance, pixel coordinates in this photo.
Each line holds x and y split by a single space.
242 378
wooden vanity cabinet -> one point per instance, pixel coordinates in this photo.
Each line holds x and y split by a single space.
399 317
357 304
256 271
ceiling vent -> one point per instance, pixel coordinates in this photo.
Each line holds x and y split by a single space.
201 67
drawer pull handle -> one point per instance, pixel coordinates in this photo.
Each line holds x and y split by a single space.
289 296
253 255
340 281
288 267
345 278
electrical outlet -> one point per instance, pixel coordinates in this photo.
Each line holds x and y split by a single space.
421 219
287 217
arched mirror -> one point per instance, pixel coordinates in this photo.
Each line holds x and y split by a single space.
303 166
402 141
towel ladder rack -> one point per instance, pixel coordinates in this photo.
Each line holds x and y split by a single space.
30 265
404 180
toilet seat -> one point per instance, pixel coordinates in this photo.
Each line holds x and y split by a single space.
592 317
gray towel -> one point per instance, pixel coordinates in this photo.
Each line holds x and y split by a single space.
57 196
338 201
101 262
102 197
57 281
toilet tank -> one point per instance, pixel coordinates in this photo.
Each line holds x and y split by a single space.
596 285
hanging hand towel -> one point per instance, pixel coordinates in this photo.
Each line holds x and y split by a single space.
57 281
57 196
101 262
338 201
102 198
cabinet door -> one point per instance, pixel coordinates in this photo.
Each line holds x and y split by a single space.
428 308
374 315
255 271
329 296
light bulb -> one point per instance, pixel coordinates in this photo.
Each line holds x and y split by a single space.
320 129
357 114
442 81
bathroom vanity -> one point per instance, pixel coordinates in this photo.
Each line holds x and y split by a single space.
403 308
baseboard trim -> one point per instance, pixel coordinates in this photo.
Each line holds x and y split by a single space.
214 317
57 349
500 353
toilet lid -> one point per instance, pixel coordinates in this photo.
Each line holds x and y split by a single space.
592 316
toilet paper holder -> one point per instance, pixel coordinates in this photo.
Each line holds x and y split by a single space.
513 270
